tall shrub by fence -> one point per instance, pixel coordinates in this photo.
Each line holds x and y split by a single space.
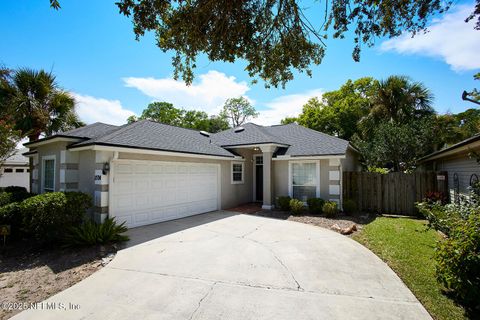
392 193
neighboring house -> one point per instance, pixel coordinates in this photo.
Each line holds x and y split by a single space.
463 169
15 171
146 172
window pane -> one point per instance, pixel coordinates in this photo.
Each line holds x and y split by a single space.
304 193
259 160
49 172
237 176
304 174
8 170
237 167
18 170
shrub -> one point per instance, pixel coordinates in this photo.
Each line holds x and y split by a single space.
378 170
435 196
91 233
11 214
13 194
315 205
46 217
442 218
349 206
458 261
330 208
296 206
283 203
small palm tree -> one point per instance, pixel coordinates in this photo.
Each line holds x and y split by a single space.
38 104
398 99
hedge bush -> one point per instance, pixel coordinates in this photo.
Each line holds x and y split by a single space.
330 208
442 218
283 202
11 215
458 261
296 206
315 205
13 194
46 217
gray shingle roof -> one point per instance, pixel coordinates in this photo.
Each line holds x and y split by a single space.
253 134
300 141
91 131
146 134
308 142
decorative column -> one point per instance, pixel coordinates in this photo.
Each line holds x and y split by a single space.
334 185
267 176
35 187
101 186
68 171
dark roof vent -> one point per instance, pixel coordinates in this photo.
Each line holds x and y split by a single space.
238 129
205 133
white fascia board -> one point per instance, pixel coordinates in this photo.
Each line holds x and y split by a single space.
255 145
279 158
47 141
153 152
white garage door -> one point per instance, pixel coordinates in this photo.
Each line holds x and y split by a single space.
146 192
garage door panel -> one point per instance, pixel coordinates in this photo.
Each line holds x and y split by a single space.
145 192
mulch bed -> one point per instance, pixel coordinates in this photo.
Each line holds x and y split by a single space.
341 221
29 274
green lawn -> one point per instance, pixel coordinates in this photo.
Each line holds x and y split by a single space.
407 246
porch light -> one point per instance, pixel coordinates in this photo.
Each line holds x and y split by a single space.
256 148
106 168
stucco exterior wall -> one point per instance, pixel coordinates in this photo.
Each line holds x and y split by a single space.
351 162
281 171
51 149
231 194
86 171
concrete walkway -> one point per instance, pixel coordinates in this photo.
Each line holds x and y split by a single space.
225 265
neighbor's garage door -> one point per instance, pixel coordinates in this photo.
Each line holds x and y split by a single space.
145 192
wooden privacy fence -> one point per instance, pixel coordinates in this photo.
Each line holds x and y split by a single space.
392 193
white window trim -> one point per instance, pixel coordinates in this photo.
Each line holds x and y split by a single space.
290 171
54 158
243 172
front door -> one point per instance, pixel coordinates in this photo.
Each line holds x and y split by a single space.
259 178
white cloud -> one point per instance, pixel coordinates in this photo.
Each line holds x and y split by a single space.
449 38
285 106
91 109
208 93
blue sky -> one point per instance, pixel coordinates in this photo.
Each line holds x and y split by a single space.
92 50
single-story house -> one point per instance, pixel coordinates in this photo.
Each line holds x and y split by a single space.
458 161
15 170
147 172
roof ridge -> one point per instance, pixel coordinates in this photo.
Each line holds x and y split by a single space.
113 134
170 125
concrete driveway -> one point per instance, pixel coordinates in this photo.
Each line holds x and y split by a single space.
225 265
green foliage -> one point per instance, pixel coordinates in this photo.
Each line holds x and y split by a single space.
458 262
90 233
166 113
452 128
275 38
11 214
349 206
409 249
315 205
48 215
37 103
289 120
397 145
296 206
283 202
378 170
339 112
13 196
238 111
330 209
